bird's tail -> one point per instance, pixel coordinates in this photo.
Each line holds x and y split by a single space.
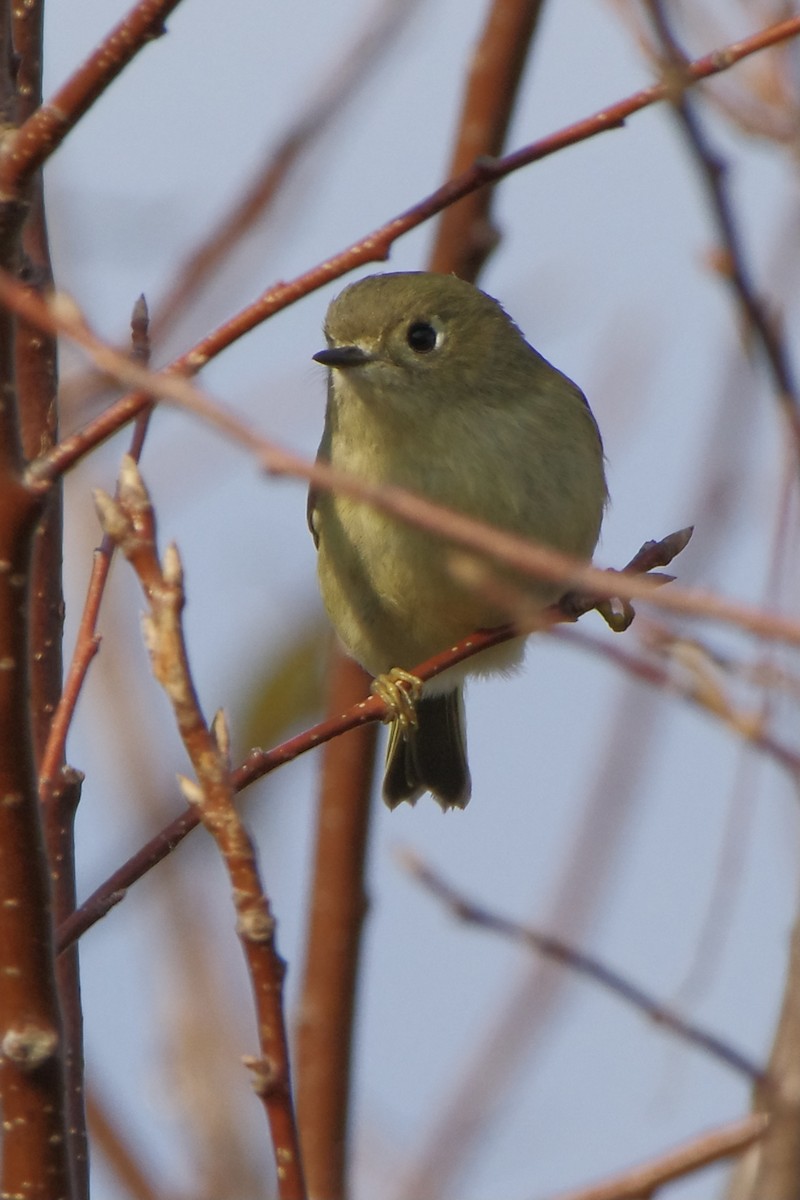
432 757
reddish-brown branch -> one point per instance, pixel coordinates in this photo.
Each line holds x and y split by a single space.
37 384
261 762
35 1158
641 1183
24 151
327 1006
332 953
375 246
87 642
35 355
257 764
59 805
130 521
521 554
35 1154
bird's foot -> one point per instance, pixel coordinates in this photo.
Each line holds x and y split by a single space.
400 692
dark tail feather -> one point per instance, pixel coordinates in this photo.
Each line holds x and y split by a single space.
430 758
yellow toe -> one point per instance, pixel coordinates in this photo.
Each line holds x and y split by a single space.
400 691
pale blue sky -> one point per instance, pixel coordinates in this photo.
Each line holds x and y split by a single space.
603 264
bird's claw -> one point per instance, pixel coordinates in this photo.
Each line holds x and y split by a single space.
400 691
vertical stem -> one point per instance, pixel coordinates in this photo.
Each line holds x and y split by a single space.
325 1030
36 379
36 370
772 1167
35 1160
338 904
58 805
465 236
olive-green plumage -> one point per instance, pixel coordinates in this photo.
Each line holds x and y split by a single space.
433 388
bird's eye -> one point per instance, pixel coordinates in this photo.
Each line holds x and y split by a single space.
421 337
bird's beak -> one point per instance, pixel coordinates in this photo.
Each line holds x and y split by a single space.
342 356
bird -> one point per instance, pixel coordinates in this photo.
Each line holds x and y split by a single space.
433 388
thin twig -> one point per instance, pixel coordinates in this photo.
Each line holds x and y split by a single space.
521 554
375 246
25 149
87 642
257 764
130 521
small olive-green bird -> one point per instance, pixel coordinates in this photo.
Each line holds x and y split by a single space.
433 388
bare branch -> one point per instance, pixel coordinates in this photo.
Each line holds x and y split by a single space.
130 521
338 905
465 235
375 246
36 1153
773 1167
87 642
521 554
25 149
259 763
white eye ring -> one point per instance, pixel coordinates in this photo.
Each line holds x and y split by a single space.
422 337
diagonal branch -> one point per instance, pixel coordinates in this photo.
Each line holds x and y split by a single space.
521 554
259 763
24 150
375 246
